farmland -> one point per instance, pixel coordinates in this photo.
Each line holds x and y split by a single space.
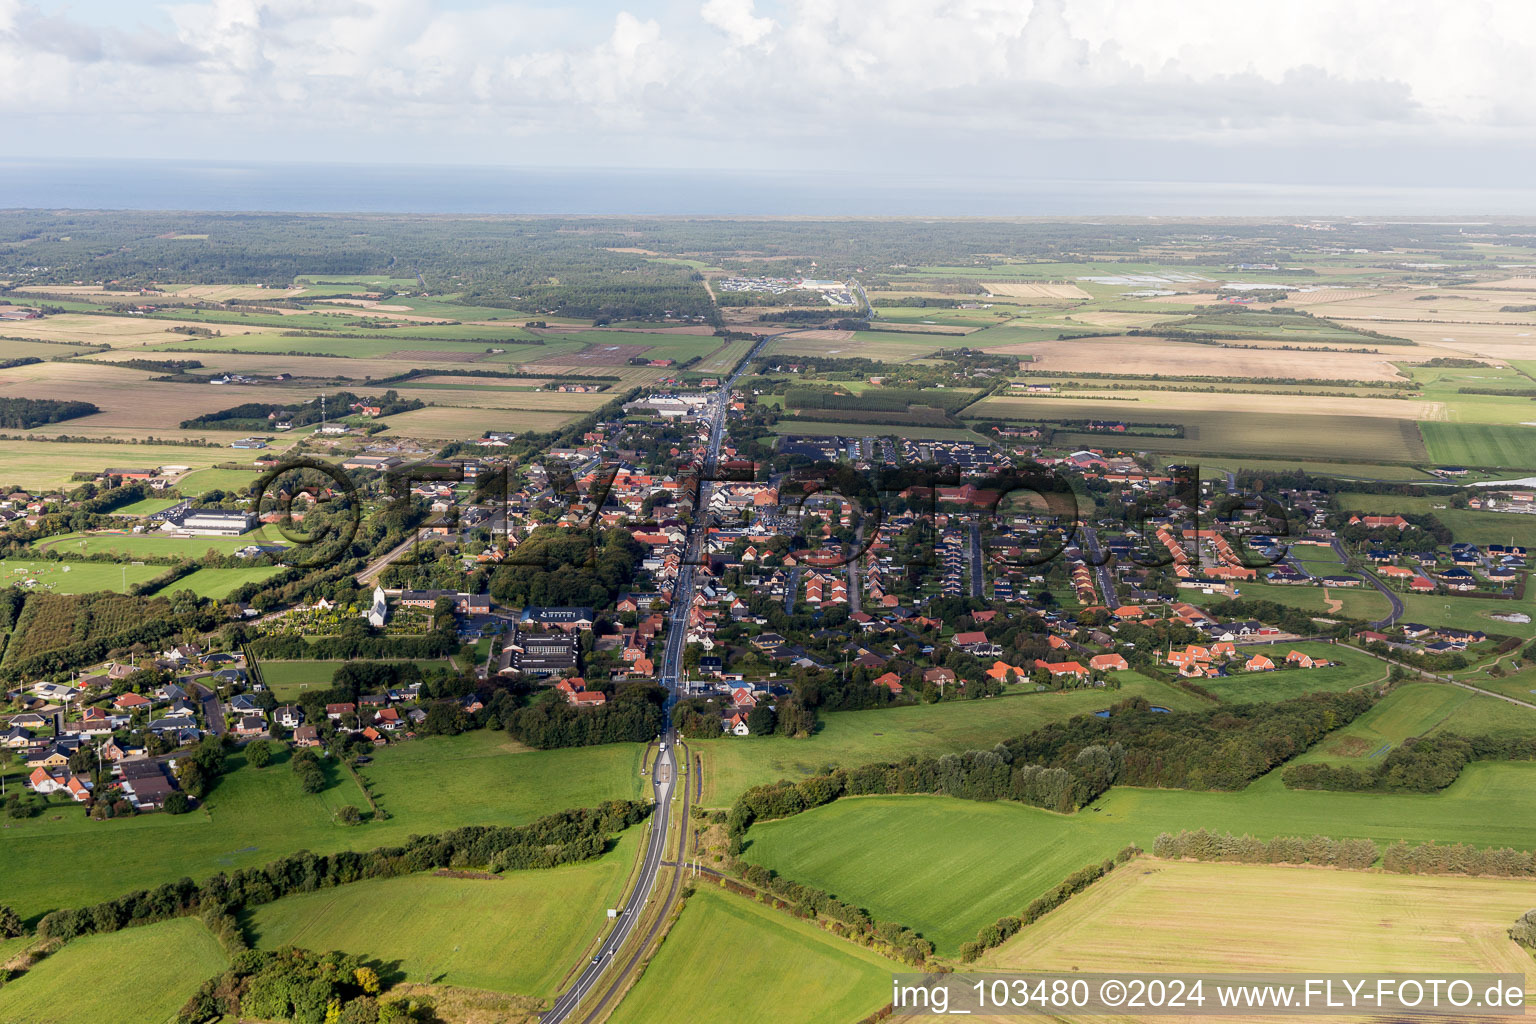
769 956
513 933
1159 915
932 878
44 465
257 815
137 976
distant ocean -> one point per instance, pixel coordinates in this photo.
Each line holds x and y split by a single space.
314 188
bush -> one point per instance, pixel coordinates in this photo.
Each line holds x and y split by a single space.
258 753
349 815
177 803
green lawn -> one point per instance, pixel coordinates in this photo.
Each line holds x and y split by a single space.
947 867
74 577
153 544
135 976
200 482
1348 669
729 960
254 816
517 933
1471 612
732 763
218 583
1362 602
289 679
147 506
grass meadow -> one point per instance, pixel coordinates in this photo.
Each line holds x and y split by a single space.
730 960
136 976
519 932
948 867
254 816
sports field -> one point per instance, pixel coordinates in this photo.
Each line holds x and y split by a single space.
947 867
1153 915
74 577
151 543
729 960
731 764
519 932
135 976
219 583
200 482
257 815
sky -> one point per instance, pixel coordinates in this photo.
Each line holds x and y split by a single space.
1406 92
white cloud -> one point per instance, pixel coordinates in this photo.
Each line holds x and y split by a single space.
737 19
284 77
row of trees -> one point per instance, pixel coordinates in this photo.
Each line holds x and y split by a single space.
843 919
1424 764
1201 844
1006 927
564 837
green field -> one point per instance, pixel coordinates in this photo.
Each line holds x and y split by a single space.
946 867
1362 602
1347 670
519 932
731 764
821 428
151 543
289 679
199 483
147 506
729 960
1325 437
1471 612
74 577
1412 709
255 816
135 976
1480 444
218 583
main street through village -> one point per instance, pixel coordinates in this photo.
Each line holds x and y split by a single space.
668 769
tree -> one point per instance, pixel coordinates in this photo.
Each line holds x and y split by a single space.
367 979
189 774
10 924
177 803
349 815
761 720
258 753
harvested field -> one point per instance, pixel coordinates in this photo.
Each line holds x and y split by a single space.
1491 340
117 331
926 328
1160 916
1148 356
429 356
818 335
442 423
1105 318
1323 296
593 355
323 366
1140 403
125 397
1035 290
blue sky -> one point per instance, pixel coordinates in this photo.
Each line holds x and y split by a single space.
1406 91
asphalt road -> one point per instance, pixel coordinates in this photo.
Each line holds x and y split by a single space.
213 711
1101 569
664 774
1387 592
977 579
663 777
